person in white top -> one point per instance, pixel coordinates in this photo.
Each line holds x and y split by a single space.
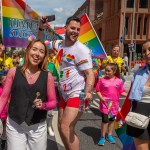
125 59
75 75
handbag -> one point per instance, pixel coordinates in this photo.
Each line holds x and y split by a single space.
137 120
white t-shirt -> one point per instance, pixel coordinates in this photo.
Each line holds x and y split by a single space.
125 61
75 59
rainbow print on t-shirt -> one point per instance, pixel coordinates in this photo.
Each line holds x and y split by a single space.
81 62
69 57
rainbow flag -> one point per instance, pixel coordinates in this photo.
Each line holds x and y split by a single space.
19 21
89 37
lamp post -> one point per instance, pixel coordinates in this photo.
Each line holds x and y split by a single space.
132 36
123 29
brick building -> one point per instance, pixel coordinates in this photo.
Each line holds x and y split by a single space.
108 20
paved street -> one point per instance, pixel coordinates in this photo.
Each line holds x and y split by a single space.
88 129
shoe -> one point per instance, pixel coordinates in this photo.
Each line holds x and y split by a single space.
101 141
50 131
111 139
3 144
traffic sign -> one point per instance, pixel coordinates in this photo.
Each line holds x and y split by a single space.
131 45
121 39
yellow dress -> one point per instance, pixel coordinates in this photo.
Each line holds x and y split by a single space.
7 63
118 61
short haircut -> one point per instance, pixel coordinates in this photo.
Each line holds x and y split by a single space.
115 45
73 18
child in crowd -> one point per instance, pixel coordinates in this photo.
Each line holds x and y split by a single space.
3 116
109 89
52 56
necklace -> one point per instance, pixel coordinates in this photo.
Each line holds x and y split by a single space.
29 74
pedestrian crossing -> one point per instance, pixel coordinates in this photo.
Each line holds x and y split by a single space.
93 104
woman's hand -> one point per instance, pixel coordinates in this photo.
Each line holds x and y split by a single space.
38 103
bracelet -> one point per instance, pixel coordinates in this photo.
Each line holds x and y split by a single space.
41 29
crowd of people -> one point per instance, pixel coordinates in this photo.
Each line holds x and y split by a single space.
32 86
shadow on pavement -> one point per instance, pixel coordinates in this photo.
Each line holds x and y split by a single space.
51 144
95 111
95 134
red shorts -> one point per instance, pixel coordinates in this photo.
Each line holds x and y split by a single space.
71 102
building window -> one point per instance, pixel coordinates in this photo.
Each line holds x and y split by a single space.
100 33
130 3
145 26
119 4
139 25
143 4
126 25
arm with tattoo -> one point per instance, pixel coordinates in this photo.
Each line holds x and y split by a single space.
89 83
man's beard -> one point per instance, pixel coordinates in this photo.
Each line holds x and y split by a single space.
67 36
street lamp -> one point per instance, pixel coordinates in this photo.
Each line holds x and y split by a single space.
122 39
132 36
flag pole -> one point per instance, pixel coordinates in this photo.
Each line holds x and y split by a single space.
2 30
132 36
1 20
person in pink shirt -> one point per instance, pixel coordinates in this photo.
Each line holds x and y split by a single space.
109 89
3 115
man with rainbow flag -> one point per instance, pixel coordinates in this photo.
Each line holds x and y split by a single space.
74 63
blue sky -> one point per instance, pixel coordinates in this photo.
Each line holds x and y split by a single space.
61 8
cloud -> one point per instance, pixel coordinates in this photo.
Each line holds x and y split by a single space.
62 9
58 10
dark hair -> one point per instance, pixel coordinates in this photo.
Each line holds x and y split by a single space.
115 45
1 79
115 68
73 18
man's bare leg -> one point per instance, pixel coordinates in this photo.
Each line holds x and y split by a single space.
67 120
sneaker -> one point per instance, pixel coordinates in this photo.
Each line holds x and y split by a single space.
50 131
101 141
111 139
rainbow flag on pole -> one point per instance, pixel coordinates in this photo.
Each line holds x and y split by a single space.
89 37
19 21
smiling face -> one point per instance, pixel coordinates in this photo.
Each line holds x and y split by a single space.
146 52
109 71
72 32
36 54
